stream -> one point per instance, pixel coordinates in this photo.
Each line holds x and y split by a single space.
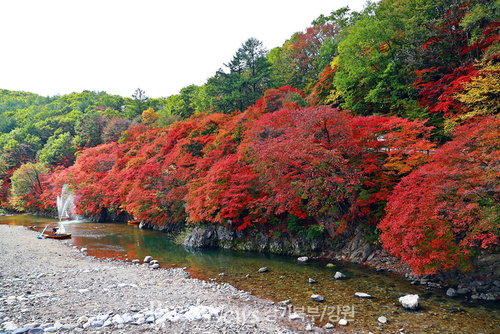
288 278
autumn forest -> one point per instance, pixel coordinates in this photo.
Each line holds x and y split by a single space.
384 120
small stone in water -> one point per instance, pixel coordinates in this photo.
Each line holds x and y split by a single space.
411 302
451 292
317 298
362 295
382 320
339 275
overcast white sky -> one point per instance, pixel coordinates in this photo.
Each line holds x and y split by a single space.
51 47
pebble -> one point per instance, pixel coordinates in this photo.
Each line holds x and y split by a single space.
382 319
343 322
328 326
263 270
303 259
311 280
155 266
148 259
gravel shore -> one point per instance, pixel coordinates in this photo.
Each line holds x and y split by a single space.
49 286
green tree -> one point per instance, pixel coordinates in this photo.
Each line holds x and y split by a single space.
89 130
27 185
246 81
59 150
137 104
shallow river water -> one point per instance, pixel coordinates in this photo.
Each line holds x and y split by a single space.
288 279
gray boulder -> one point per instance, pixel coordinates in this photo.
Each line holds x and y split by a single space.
451 292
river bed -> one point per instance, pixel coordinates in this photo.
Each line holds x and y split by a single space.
288 278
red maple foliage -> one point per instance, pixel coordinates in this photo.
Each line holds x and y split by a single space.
441 214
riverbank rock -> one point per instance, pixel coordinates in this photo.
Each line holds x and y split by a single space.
148 259
358 250
317 298
411 302
303 259
339 275
451 292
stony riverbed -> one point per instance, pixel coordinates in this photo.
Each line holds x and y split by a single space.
49 286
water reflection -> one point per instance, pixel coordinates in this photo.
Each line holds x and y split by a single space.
288 279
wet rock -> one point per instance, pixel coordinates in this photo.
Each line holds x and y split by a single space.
362 295
358 249
411 302
303 259
483 288
201 237
339 275
148 259
263 270
284 303
317 298
311 281
451 292
382 320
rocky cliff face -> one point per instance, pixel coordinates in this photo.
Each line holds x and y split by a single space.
211 236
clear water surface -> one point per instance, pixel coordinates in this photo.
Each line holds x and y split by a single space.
288 279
